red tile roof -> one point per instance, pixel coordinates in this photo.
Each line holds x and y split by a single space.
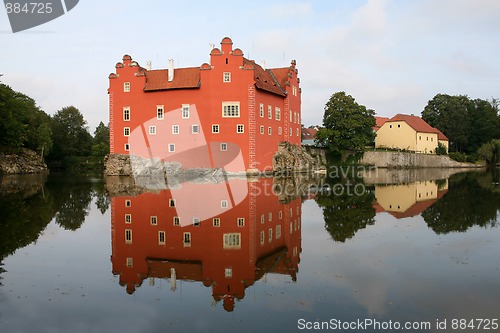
183 78
265 79
379 121
418 124
308 133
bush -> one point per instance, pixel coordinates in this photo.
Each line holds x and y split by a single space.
459 157
441 149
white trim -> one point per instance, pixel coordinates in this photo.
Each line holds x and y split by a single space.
160 115
231 110
240 126
152 130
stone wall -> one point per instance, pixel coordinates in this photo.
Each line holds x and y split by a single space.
402 160
291 158
26 161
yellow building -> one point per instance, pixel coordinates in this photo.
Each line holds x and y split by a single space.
408 132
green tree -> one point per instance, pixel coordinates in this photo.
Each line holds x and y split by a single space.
490 152
70 134
450 114
100 142
347 125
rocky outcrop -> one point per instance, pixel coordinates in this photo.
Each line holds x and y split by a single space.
402 160
291 158
26 161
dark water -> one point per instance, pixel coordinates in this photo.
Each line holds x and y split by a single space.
84 254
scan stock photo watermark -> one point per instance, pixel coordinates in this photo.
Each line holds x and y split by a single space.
24 15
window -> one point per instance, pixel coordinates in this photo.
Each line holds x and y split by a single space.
270 236
126 114
215 128
390 126
232 241
291 132
175 129
128 236
262 218
280 214
240 128
128 203
171 202
241 221
216 222
269 130
126 147
153 220
277 113
128 218
228 272
261 109
196 221
262 237
262 130
152 130
280 131
161 237
223 204
126 86
195 129
129 262
294 90
290 115
226 77
297 132
223 147
187 239
269 112
278 231
176 221
159 112
270 217
185 111
126 131
171 147
231 109
420 137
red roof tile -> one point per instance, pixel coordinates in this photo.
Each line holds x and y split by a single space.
308 133
417 123
183 78
264 79
379 121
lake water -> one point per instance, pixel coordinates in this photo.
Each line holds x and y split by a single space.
87 254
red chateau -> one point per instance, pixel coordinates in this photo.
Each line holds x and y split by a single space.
153 237
194 115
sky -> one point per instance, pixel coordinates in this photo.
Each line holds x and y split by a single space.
392 56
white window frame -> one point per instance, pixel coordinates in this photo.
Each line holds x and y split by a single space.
152 130
232 241
162 237
270 235
261 110
196 221
128 236
185 111
128 203
269 112
129 262
262 237
153 220
228 113
126 131
160 112
216 222
240 128
126 147
262 129
171 203
176 129
171 147
224 204
240 221
277 111
280 130
226 77
126 113
215 128
278 231
223 146
291 132
269 130
176 221
126 86
186 239
128 218
228 272
195 129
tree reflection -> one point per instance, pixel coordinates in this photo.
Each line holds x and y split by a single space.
472 200
347 207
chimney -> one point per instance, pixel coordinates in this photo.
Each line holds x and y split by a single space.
170 70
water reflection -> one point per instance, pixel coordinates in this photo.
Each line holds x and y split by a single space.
223 243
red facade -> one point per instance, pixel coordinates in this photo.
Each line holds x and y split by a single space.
188 115
228 249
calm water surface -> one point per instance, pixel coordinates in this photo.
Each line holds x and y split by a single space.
84 254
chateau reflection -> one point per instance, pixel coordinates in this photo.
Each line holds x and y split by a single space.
407 200
226 235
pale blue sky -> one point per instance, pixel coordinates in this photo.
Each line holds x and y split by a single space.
391 55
